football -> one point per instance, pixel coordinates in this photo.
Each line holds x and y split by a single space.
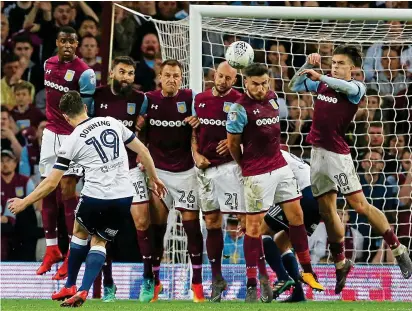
239 54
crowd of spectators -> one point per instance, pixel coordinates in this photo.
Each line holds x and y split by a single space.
380 135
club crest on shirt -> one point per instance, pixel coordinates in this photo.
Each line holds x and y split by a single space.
69 75
274 104
19 191
233 116
226 106
181 107
131 108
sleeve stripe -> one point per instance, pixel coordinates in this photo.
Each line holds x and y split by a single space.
63 161
85 95
233 133
306 86
129 140
60 167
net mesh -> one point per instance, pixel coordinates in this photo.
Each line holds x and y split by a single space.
383 122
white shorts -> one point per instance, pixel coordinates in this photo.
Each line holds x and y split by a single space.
182 189
221 188
50 145
140 193
330 171
266 190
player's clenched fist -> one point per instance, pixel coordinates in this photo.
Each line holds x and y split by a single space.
201 161
313 59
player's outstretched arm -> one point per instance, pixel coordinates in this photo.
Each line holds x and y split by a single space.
300 82
146 159
350 88
17 205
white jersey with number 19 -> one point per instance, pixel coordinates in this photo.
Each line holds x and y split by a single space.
98 145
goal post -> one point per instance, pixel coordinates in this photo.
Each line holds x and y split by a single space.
198 12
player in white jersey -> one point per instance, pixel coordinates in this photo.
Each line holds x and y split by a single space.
278 255
97 144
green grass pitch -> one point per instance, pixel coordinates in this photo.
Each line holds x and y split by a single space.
126 305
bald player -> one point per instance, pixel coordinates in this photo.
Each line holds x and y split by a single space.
218 175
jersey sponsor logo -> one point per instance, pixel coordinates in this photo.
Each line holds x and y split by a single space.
127 123
19 191
165 123
56 86
267 121
212 122
328 99
131 108
69 75
226 106
181 107
233 116
274 104
111 167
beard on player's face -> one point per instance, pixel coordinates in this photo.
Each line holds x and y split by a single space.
122 87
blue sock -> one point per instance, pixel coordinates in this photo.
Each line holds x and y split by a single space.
78 253
273 258
94 263
291 265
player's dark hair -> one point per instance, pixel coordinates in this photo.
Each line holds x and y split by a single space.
376 124
127 60
255 70
90 36
350 51
23 85
22 39
67 29
172 63
71 104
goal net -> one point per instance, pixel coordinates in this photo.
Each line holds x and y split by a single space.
379 136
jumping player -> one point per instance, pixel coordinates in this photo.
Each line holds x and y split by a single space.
332 166
254 122
62 73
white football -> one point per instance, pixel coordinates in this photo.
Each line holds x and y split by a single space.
239 54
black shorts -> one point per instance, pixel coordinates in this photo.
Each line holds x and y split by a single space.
102 217
276 219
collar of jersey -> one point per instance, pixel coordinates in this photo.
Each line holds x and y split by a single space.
84 121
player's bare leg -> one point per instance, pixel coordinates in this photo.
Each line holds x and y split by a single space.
214 247
141 218
70 201
253 250
158 218
381 225
299 241
49 216
335 230
191 224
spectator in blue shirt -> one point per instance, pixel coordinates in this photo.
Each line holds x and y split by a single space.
233 249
